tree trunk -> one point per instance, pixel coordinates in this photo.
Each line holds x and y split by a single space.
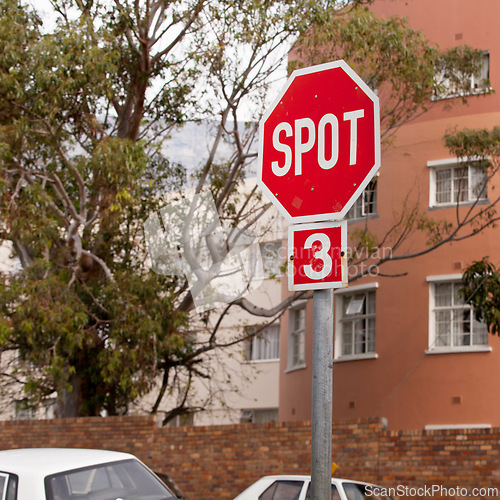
69 401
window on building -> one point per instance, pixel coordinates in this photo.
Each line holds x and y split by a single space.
453 325
356 323
265 345
184 420
456 181
259 416
24 410
478 83
366 204
481 82
271 258
297 338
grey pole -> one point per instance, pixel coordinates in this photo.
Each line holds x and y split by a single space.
322 395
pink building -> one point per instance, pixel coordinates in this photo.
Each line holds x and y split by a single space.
405 347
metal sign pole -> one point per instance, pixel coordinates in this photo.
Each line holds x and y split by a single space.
322 395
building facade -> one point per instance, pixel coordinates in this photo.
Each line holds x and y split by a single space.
406 347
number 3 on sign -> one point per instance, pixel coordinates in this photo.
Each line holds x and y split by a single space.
325 268
317 256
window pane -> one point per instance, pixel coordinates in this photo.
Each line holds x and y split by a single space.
464 182
461 327
443 185
262 416
370 198
370 303
298 319
443 323
3 485
347 338
479 333
271 258
296 338
366 204
283 490
265 345
360 336
371 335
355 305
355 492
358 323
454 324
335 493
460 184
478 181
442 294
481 81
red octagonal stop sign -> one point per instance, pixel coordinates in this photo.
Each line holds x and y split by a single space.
319 143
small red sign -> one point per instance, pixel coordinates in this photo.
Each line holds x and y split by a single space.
317 256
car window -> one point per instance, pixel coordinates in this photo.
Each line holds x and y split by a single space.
335 493
125 479
355 491
8 486
283 490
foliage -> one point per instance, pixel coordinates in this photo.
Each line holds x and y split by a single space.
474 143
481 289
85 109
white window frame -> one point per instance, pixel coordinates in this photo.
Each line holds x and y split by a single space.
454 164
256 352
296 348
339 299
433 349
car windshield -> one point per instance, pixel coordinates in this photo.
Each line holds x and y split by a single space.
124 480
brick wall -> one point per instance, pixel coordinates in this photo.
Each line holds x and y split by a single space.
218 462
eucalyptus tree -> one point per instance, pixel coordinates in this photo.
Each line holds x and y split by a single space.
87 105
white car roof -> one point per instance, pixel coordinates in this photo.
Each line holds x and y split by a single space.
53 460
307 477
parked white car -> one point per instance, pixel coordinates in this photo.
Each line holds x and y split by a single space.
77 474
299 488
